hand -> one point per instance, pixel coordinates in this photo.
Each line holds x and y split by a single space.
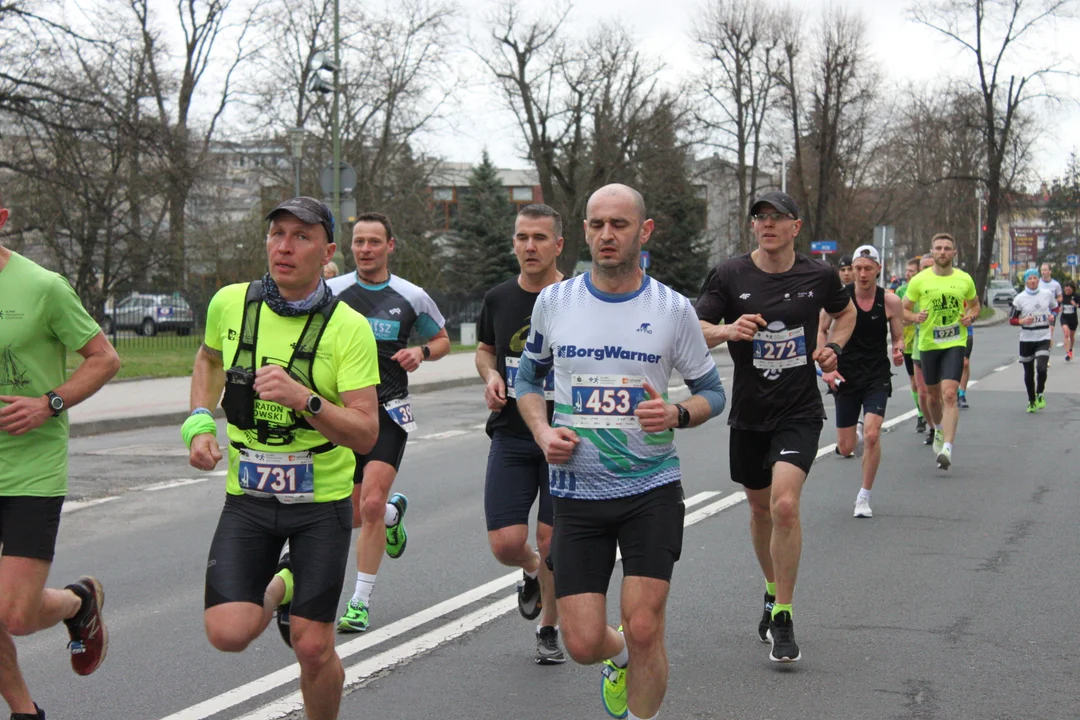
745 327
1023 321
495 392
966 320
205 452
558 444
274 384
23 414
409 358
832 380
898 355
655 414
826 359
920 317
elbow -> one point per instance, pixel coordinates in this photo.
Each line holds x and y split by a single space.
112 365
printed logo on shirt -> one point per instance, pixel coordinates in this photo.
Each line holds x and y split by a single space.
744 296
12 315
232 334
395 311
806 294
645 328
607 352
517 340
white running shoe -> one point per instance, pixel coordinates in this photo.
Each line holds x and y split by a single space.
859 442
944 458
939 441
862 508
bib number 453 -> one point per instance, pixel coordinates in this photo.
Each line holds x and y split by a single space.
606 401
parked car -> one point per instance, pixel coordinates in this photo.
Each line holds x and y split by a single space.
148 314
1000 292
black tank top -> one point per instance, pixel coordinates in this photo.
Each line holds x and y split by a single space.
865 360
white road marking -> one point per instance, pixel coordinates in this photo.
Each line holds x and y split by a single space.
443 435
83 504
999 369
173 484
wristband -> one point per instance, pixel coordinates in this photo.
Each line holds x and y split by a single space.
197 424
202 411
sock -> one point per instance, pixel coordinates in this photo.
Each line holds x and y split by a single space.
632 716
770 587
286 577
623 658
947 446
915 397
781 608
532 575
541 626
864 494
962 393
390 517
365 584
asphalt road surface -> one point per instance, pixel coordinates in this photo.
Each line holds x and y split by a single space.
955 601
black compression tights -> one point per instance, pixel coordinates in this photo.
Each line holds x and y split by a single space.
1035 376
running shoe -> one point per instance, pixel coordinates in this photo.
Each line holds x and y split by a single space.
1068 356
355 619
1040 402
766 616
962 403
920 425
89 637
929 439
396 537
782 637
548 651
528 596
38 714
862 508
613 689
939 441
1031 407
860 442
284 614
944 458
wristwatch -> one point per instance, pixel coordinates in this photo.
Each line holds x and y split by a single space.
314 404
427 351
684 417
56 403
835 348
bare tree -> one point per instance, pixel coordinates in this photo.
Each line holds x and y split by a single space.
994 34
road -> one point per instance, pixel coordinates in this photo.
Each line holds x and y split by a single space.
952 602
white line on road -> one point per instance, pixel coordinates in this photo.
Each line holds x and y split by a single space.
173 484
443 435
83 504
999 369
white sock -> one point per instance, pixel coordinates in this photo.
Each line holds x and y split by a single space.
864 494
622 659
632 716
390 517
948 446
540 626
531 575
365 584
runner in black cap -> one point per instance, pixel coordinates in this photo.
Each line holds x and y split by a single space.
846 270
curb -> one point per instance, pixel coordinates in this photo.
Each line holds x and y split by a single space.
1000 317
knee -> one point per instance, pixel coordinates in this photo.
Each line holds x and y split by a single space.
228 638
506 548
949 395
643 630
785 512
584 646
372 510
760 512
872 437
16 621
313 650
845 446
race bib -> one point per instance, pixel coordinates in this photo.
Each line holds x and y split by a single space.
943 333
287 477
780 349
1041 318
606 401
400 411
512 364
1068 309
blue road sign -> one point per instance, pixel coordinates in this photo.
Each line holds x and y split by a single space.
645 260
1072 260
823 246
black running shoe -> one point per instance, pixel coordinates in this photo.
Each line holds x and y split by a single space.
528 592
548 651
39 715
929 437
920 425
283 612
782 637
962 403
766 616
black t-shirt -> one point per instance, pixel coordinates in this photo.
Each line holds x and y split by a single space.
864 364
1069 304
504 324
775 379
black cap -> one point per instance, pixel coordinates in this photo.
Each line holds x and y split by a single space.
781 201
845 261
307 210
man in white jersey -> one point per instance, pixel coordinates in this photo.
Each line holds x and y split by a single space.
1047 282
612 337
1032 311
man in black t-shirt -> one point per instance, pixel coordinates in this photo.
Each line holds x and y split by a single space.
769 302
517 472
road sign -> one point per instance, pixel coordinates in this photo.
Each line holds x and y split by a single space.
1072 260
348 178
645 260
823 246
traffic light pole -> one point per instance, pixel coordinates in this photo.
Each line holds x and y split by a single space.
335 128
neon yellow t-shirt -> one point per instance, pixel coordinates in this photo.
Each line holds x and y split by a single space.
41 318
346 359
943 298
909 330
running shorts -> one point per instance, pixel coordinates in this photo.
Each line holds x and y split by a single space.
389 446
1069 321
947 364
851 404
909 364
1030 350
754 452
516 474
29 525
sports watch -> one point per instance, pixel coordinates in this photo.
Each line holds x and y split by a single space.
835 348
314 404
684 417
56 403
427 351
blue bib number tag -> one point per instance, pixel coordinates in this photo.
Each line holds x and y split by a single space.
943 333
287 477
606 401
780 349
401 412
512 364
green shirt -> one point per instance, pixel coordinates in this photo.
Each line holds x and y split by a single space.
943 298
909 330
41 318
346 359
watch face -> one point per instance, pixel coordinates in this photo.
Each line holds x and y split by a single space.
56 402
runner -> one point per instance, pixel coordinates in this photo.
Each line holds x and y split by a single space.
1047 282
863 368
961 395
299 399
42 319
948 302
1032 311
394 307
612 337
910 271
769 301
517 472
845 270
1069 302
916 358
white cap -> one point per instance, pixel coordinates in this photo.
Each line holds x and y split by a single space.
866 251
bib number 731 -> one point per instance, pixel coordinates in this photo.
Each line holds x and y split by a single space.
274 478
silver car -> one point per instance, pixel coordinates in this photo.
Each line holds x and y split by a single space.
1000 292
147 314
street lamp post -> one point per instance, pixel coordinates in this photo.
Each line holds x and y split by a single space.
297 136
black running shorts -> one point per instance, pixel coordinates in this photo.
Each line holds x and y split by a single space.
851 404
28 526
947 364
250 535
389 447
1031 350
516 474
1069 320
647 528
909 364
753 453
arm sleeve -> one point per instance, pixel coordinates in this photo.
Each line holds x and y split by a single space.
710 304
711 388
68 319
485 332
527 381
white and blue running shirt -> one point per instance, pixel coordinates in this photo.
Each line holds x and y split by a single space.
602 348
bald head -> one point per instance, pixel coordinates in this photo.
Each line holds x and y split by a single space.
618 191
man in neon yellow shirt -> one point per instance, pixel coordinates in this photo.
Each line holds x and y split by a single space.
909 345
299 399
948 305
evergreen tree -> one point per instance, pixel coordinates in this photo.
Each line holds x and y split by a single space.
483 254
1061 214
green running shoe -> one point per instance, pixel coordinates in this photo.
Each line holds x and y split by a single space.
1031 407
1040 402
613 689
396 537
939 441
355 619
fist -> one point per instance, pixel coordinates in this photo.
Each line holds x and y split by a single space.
558 444
495 393
205 452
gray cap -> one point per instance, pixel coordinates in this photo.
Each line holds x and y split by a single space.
307 210
781 201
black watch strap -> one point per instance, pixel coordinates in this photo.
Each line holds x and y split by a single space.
684 417
56 403
835 348
427 351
